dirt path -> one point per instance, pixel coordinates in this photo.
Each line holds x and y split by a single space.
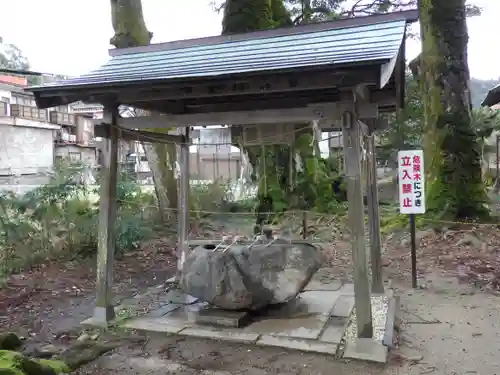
453 327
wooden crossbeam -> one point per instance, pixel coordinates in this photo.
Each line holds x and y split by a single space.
103 130
325 111
272 83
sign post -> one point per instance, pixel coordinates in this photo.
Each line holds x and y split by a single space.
411 181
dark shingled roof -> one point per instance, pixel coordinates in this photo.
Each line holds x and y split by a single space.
372 39
493 97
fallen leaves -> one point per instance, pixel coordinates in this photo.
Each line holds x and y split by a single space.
471 254
35 301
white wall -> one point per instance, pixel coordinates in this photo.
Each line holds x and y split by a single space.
85 155
26 147
5 94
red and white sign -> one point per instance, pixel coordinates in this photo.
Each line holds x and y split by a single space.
411 182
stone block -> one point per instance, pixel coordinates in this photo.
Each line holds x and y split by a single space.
303 318
218 317
250 277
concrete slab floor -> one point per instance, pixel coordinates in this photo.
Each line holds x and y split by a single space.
334 330
318 285
367 350
225 334
304 323
164 310
299 344
303 318
343 306
318 320
155 325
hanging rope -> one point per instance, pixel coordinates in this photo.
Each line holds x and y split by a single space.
263 160
316 132
291 165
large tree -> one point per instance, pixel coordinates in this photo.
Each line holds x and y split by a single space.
131 31
11 57
310 186
242 16
453 153
405 129
451 143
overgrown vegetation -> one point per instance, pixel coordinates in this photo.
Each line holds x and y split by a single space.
405 131
287 176
60 220
221 196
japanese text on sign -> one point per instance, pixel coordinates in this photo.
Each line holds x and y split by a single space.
411 182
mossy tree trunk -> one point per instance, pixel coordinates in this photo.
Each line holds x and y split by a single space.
131 31
242 16
271 163
453 160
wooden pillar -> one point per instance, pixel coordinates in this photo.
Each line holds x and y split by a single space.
183 202
352 163
291 167
104 310
373 212
497 160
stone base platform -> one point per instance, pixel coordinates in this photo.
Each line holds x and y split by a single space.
321 319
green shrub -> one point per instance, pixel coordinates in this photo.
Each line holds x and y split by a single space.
60 220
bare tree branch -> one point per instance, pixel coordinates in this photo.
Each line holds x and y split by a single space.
369 7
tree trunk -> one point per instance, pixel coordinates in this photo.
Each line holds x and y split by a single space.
453 160
271 163
163 175
242 16
130 31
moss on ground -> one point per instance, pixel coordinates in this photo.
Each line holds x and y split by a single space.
14 363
